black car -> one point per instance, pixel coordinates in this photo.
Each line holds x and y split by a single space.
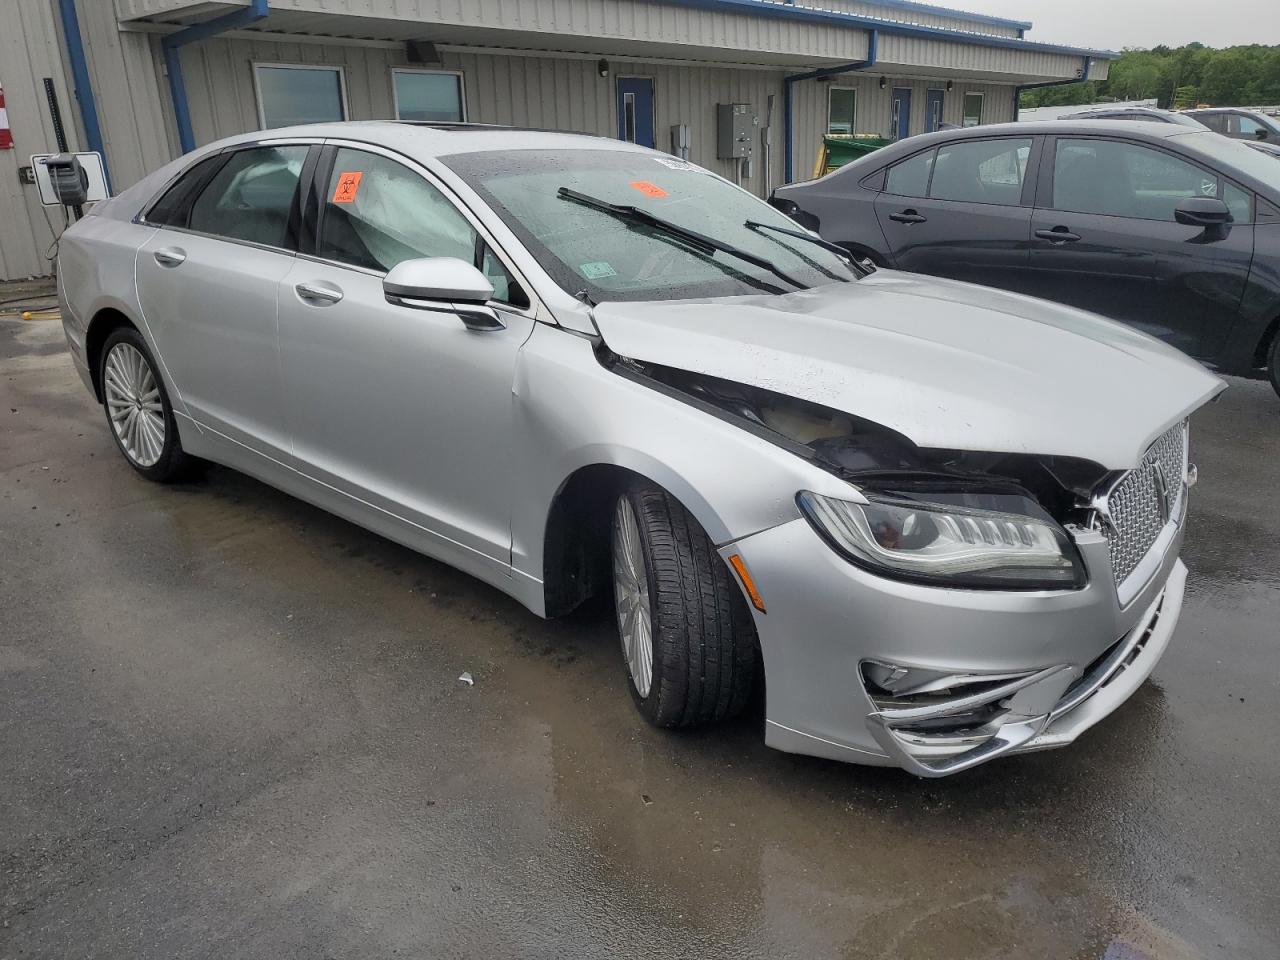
1237 123
1150 114
1170 229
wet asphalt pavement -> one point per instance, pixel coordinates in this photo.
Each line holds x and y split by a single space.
231 726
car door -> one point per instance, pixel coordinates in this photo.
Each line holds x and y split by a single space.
1105 238
962 210
207 283
407 410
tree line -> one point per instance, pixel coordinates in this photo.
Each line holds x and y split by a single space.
1178 77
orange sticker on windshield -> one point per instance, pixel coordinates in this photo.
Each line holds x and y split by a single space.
348 185
648 189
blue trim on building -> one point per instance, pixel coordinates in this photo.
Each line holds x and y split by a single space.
174 42
83 85
791 11
873 44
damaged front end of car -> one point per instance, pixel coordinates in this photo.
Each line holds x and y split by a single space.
1007 524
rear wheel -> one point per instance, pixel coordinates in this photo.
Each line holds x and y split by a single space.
688 639
138 409
1273 363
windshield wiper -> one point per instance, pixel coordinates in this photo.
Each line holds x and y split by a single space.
835 248
698 241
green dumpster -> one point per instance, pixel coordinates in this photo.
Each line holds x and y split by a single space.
838 150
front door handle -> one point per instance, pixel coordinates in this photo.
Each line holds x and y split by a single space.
314 292
907 216
1058 235
170 257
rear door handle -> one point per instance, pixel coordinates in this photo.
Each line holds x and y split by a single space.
907 216
319 294
1058 235
170 256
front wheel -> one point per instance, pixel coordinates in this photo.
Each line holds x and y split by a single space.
138 410
687 636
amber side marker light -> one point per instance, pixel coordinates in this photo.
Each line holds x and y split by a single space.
740 568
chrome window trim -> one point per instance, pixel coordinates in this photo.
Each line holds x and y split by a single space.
535 299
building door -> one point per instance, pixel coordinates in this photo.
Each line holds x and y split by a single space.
933 110
900 127
635 110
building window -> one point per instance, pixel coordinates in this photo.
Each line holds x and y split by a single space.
972 109
290 93
841 110
428 95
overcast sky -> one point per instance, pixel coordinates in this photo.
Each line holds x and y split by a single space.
1113 24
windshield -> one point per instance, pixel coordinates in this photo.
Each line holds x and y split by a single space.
612 256
1238 155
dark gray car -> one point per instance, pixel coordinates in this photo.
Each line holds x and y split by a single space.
1238 123
1172 230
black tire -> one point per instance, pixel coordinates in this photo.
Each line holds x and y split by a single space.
1273 363
703 637
173 462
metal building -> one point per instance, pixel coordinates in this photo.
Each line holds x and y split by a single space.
144 80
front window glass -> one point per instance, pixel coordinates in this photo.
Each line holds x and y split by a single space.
972 109
428 96
841 110
251 197
981 171
1236 158
290 95
1239 202
910 178
608 257
1124 180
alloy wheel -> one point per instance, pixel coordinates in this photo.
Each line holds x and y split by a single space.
134 406
631 595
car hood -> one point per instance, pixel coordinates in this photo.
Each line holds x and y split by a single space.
949 365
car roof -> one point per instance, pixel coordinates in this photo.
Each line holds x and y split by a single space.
428 140
1139 129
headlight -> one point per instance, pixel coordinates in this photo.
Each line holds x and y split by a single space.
950 538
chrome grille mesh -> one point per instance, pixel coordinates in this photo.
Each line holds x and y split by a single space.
1134 503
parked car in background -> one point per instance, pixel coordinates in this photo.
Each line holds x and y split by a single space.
1150 114
1172 230
1237 123
943 520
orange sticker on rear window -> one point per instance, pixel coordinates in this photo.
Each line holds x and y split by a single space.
348 184
648 189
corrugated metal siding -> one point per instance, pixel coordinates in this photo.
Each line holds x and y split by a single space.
542 91
972 59
30 51
923 18
643 21
130 9
875 109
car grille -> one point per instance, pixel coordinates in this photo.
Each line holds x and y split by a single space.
1144 500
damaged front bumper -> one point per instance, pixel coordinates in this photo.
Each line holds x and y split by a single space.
1017 671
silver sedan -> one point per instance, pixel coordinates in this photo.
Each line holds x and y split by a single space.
941 521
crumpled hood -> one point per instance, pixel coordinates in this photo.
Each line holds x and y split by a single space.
948 365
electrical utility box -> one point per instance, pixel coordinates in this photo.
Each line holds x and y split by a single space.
735 130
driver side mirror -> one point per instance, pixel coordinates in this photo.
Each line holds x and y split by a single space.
1202 212
1261 133
443 285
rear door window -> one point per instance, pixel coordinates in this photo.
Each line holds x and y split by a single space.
981 171
174 205
252 197
910 178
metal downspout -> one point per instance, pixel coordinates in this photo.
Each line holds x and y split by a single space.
787 82
174 42
83 86
1017 91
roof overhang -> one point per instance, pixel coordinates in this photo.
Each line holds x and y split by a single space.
745 32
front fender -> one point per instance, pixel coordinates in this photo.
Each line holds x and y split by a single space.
571 412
